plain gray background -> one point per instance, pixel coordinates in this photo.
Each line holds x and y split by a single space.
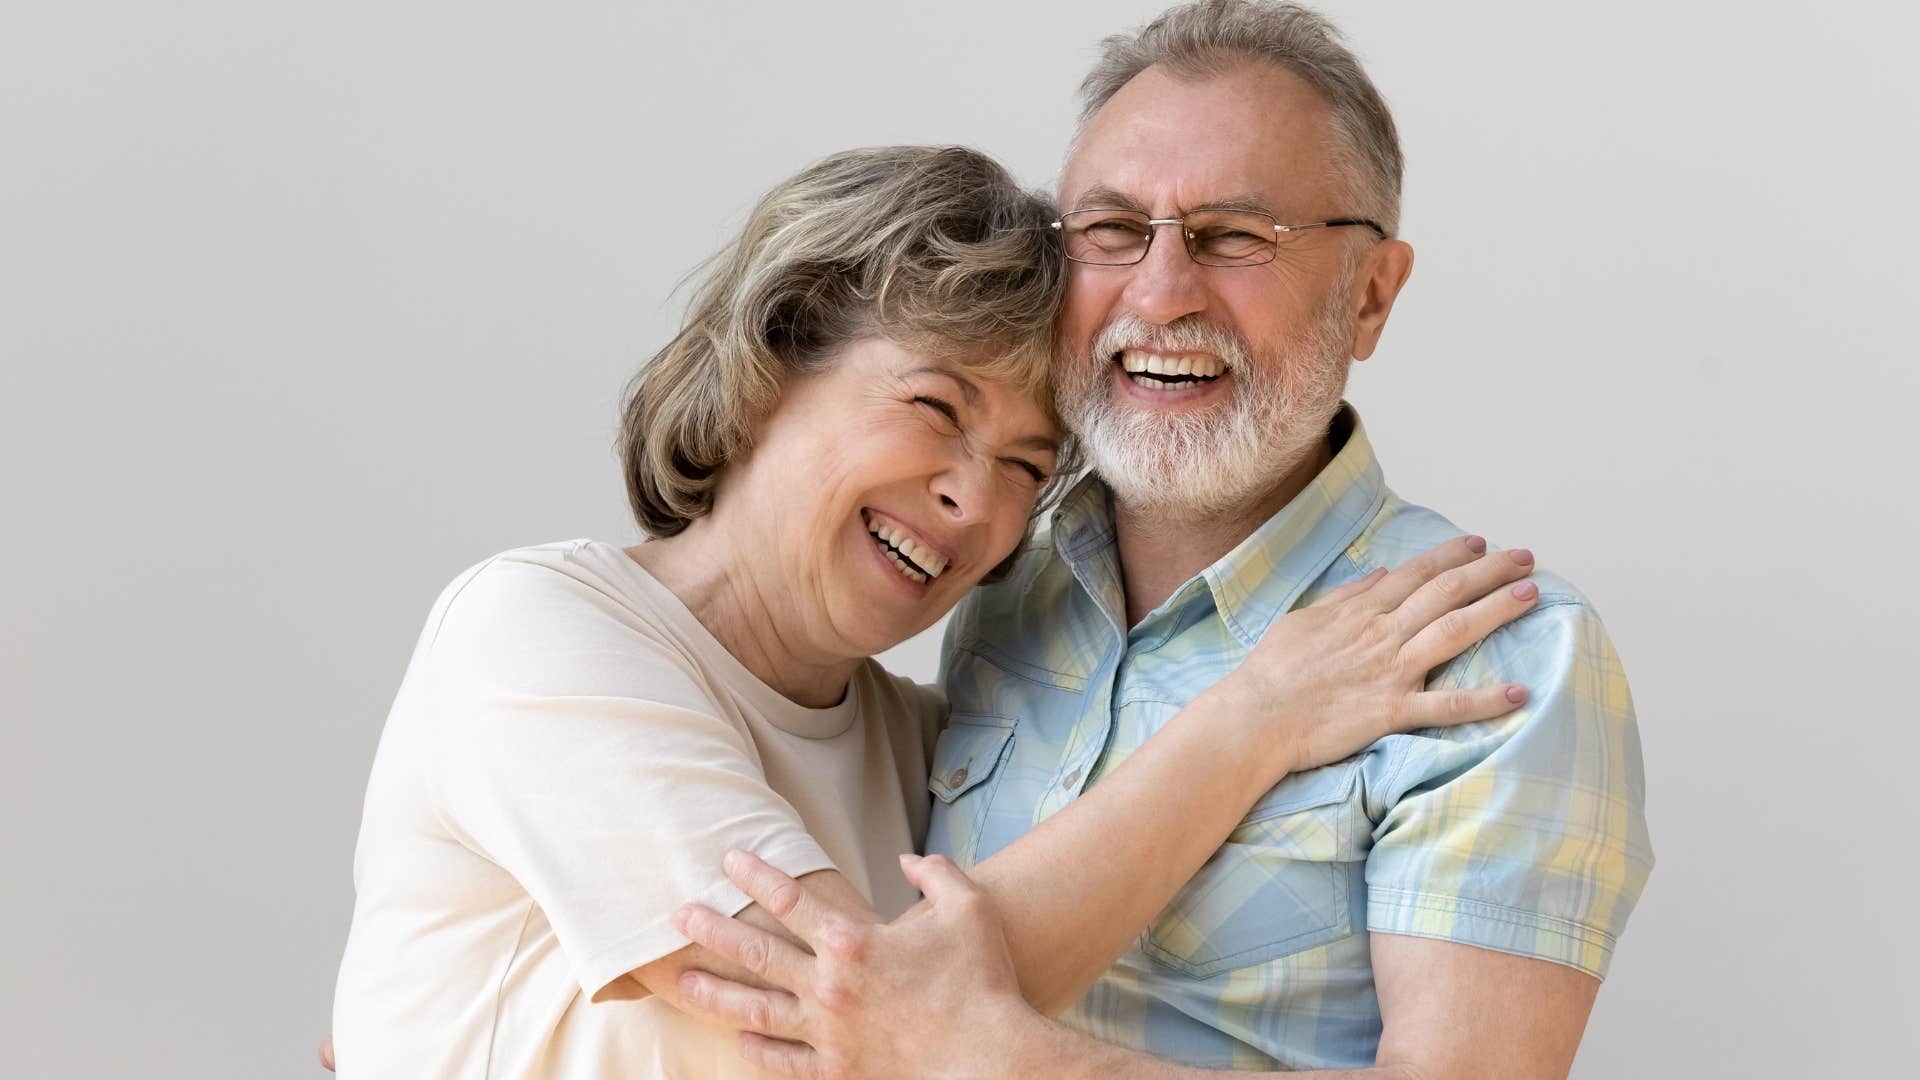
305 308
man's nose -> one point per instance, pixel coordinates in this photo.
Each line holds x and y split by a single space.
1167 284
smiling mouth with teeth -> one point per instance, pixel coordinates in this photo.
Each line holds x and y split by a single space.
915 561
1152 371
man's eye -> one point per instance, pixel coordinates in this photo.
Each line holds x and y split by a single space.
1230 238
943 408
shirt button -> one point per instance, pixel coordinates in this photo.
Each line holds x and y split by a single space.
1067 784
956 778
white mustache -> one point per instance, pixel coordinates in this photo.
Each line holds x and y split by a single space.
1187 335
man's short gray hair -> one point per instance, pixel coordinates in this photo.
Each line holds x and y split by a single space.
1212 37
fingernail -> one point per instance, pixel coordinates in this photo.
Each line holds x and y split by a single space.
908 858
1526 590
680 920
1476 544
732 860
1521 556
1517 694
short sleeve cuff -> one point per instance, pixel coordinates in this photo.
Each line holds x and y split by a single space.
1490 926
658 938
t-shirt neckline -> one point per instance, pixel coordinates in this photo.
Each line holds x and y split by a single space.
781 711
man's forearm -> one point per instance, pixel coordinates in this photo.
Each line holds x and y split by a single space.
1048 1050
1076 890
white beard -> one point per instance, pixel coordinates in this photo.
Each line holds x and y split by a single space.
1193 466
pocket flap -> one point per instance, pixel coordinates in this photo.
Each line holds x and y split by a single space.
1304 791
966 754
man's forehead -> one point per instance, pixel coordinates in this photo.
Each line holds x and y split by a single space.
1176 142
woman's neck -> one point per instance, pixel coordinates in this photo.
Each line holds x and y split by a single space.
722 590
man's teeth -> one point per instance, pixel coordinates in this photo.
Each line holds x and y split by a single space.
1138 362
920 563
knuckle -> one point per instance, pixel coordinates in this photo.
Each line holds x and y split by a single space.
783 898
1452 587
695 992
833 995
755 956
847 942
757 1015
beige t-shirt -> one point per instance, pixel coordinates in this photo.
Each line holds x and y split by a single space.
569 757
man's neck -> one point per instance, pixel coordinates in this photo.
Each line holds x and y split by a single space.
1159 553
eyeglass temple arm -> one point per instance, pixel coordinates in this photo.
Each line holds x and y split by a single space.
1335 223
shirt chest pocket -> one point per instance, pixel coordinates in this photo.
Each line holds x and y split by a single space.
965 759
1284 882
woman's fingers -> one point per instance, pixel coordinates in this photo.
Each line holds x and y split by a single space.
1444 708
1410 576
1460 587
798 908
1454 632
769 957
1351 589
769 1012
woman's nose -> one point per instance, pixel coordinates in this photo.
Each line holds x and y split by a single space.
964 490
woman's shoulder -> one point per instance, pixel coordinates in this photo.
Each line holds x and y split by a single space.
562 596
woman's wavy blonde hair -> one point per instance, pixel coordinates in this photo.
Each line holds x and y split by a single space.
934 248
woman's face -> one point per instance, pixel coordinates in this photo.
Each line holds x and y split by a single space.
882 489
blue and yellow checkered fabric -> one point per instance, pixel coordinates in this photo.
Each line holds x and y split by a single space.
1525 834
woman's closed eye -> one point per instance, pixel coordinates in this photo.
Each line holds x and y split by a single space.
943 407
1027 468
1022 466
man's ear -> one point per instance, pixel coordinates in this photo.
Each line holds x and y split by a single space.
1386 270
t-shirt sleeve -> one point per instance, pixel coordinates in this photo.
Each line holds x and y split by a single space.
577 751
1525 835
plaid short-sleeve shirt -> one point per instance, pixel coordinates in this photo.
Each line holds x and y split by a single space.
1526 834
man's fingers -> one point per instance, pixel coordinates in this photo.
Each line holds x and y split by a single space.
778 1055
1461 586
798 908
769 1012
1454 632
1410 576
769 956
1444 708
937 877
326 1053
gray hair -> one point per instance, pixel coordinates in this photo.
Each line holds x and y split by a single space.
1211 37
935 248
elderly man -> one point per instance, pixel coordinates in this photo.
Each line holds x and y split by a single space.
1444 904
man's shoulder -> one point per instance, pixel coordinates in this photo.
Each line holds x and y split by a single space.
1402 530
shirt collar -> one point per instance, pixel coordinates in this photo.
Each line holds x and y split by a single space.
1262 577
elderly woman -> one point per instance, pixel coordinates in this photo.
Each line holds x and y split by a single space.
853 428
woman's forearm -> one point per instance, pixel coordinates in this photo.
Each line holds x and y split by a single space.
1076 890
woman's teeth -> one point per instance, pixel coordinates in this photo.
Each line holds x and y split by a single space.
1152 371
914 560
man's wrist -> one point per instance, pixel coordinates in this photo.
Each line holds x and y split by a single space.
1033 1048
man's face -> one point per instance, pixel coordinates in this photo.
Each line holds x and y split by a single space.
1280 334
